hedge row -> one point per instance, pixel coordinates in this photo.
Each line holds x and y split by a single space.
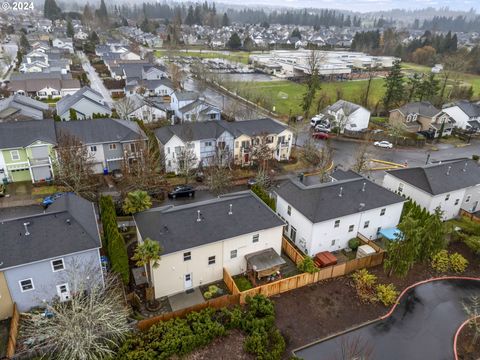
263 195
113 240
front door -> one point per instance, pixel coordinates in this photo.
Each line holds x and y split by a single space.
246 157
188 281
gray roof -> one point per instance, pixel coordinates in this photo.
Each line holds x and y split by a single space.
323 202
69 225
176 228
348 107
64 104
471 109
441 178
264 259
423 108
23 104
255 127
186 95
202 104
96 131
24 133
339 175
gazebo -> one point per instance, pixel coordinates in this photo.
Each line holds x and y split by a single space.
263 263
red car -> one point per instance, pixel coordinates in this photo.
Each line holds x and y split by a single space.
320 135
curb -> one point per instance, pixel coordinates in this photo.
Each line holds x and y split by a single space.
455 338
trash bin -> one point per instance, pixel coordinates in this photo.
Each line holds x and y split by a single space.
301 176
105 171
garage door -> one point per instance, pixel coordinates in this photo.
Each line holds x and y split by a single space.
20 175
40 152
41 173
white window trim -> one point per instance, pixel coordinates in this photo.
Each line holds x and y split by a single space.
257 237
189 256
214 260
17 155
112 146
231 253
21 287
63 264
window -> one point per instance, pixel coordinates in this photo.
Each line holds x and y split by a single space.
213 116
382 212
57 265
245 144
233 254
447 197
237 144
208 143
187 256
350 228
269 140
26 285
255 238
337 224
293 233
169 163
289 210
366 224
379 229
15 155
168 150
93 148
211 260
457 201
468 198
333 243
112 146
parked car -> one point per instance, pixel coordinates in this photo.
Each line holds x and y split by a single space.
253 181
319 135
322 128
383 144
317 119
181 191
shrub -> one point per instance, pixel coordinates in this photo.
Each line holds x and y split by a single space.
387 294
354 243
243 283
307 265
364 284
458 263
263 195
473 243
441 261
475 157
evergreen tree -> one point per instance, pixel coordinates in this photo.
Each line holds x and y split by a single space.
24 44
234 42
70 30
101 13
413 85
190 19
93 38
296 33
394 93
428 88
87 16
51 10
432 238
73 114
225 20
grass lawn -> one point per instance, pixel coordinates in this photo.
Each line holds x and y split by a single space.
238 56
242 283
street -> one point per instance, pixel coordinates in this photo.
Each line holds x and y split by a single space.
95 82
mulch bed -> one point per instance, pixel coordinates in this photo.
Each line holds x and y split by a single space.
310 313
467 350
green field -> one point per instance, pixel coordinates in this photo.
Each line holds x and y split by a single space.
238 56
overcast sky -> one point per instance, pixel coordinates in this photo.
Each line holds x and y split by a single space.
365 5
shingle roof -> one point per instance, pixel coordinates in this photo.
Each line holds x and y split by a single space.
69 225
64 104
255 127
347 107
471 109
176 228
101 130
340 175
186 95
24 133
423 108
323 202
441 178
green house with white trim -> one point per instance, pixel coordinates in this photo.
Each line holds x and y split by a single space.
26 150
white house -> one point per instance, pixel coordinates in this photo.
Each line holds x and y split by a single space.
464 113
85 102
348 116
63 43
145 110
324 217
450 185
200 239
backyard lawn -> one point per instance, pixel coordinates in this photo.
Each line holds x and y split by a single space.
238 56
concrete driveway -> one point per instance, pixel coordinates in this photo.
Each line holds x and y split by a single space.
421 327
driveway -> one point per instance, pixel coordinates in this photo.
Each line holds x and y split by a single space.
421 327
95 82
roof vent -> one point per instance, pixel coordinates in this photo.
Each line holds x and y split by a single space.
68 222
363 187
362 205
448 170
26 228
230 212
465 166
198 216
340 194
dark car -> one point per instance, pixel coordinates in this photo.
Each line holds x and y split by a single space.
320 135
181 191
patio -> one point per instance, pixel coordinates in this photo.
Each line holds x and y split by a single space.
186 299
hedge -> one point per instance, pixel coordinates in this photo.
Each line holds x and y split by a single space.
263 195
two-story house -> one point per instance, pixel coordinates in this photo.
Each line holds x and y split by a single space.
63 44
19 107
347 116
43 85
200 239
112 143
465 113
38 252
449 185
26 150
85 102
188 107
324 217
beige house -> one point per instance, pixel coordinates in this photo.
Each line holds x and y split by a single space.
200 239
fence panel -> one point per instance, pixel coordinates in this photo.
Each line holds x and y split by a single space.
228 280
291 252
12 336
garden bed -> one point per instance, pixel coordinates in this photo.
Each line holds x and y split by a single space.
222 290
465 349
242 282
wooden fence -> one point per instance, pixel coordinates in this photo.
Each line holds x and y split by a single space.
295 255
12 336
217 303
228 280
470 216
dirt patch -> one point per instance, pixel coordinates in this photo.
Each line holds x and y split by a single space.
467 350
227 347
316 311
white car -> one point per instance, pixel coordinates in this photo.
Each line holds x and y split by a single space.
383 144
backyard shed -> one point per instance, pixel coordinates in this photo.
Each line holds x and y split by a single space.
324 259
264 262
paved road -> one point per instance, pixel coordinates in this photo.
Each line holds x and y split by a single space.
95 82
422 327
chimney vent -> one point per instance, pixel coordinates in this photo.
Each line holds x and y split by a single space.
363 187
448 170
230 212
198 216
26 228
340 194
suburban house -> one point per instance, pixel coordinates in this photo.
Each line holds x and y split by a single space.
43 85
347 116
46 60
146 109
465 113
324 217
228 141
85 102
26 150
112 143
422 116
19 107
200 239
188 106
41 255
63 44
451 186
161 87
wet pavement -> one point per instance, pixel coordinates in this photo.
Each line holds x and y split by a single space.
421 327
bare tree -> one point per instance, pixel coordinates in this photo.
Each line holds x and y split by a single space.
89 325
313 83
125 107
262 150
354 348
472 309
186 160
321 159
176 75
73 166
361 160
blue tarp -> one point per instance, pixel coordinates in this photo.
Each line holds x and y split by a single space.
391 234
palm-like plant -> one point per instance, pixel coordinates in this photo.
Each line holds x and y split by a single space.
147 254
136 201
